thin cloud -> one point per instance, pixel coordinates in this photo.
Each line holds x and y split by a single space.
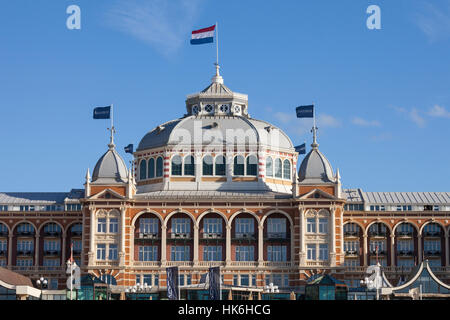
412 115
283 117
439 112
434 20
365 123
164 25
326 120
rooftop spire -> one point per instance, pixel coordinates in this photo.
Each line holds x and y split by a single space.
217 78
111 144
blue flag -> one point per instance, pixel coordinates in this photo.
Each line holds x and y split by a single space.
214 283
305 111
102 113
172 283
301 149
129 149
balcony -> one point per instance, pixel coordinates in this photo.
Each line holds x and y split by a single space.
351 253
147 237
173 236
77 233
25 233
432 234
244 236
52 233
52 253
276 236
212 235
380 252
433 253
351 234
107 263
405 253
77 252
378 234
25 253
147 264
3 233
404 234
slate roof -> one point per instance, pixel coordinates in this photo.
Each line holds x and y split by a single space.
44 198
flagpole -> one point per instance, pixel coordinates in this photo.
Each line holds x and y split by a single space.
217 43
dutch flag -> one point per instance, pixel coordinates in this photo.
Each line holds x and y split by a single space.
205 35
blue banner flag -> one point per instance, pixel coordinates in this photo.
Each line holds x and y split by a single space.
129 149
301 149
305 111
172 283
214 283
102 113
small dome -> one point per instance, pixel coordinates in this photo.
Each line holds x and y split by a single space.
110 168
315 168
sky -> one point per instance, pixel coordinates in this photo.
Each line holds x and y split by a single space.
382 96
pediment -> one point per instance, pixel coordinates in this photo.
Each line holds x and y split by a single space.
107 194
317 194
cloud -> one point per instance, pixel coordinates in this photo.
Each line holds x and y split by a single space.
164 25
413 115
384 136
434 20
365 123
439 112
326 120
283 117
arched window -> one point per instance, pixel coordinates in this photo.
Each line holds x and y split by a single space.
176 166
252 166
278 169
143 170
220 166
189 166
207 166
3 230
151 168
159 167
269 167
52 229
286 169
238 169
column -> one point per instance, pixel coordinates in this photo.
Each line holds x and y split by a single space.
302 259
292 245
10 248
365 249
392 250
91 238
122 237
419 249
196 244
447 250
228 245
333 237
63 249
36 253
163 245
260 244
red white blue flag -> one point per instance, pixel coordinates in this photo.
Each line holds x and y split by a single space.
205 35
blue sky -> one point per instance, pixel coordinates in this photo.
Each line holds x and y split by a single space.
382 96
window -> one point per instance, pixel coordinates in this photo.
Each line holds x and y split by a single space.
378 230
432 246
323 225
25 246
151 168
76 229
207 166
311 225
101 225
276 227
52 228
278 168
405 229
148 225
25 228
405 246
269 167
159 167
101 251
112 252
244 226
351 247
51 263
220 166
143 170
212 225
276 253
351 229
286 169
405 263
354 207
351 262
181 225
189 166
252 166
148 253
3 229
3 208
377 208
380 244
138 278
180 253
245 280
238 169
323 251
156 279
212 253
245 253
3 245
24 262
113 225
432 229
254 280
77 246
311 252
176 166
235 280
52 245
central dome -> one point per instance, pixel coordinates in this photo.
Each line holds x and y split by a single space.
315 168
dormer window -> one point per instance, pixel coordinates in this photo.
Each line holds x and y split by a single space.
195 109
224 108
237 109
209 108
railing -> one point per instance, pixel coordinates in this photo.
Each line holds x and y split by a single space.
404 234
378 234
317 263
3 253
351 253
433 253
77 233
107 263
147 263
25 233
52 233
212 235
277 264
244 236
25 253
276 236
432 234
36 269
243 264
405 253
351 233
3 233
51 252
211 263
77 252
393 269
179 235
143 235
179 263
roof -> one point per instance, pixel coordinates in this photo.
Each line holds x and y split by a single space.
13 278
46 198
315 168
110 168
357 195
188 195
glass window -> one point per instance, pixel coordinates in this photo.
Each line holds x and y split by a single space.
112 252
245 280
138 278
323 225
276 227
25 228
432 246
51 245
181 225
220 166
311 252
148 225
3 229
235 280
244 226
404 246
77 228
101 225
52 228
51 263
159 167
245 253
377 244
180 253
207 166
311 225
151 168
212 253
25 245
252 166
286 169
323 251
143 170
101 251
212 225
278 168
113 225
3 245
269 167
238 169
276 253
147 279
176 166
189 166
148 253
351 247
254 280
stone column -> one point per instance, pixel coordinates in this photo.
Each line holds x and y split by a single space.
447 258
91 238
333 237
63 249
419 249
228 245
260 244
163 245
122 237
196 244
302 259
292 245
10 249
365 249
392 250
36 253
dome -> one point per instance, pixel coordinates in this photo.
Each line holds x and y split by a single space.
110 168
315 168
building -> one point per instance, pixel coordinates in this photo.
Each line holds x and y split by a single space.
219 188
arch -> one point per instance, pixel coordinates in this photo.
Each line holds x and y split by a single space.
376 221
7 227
242 211
220 166
269 167
24 221
189 166
200 217
151 168
143 169
359 224
70 225
432 221
166 220
251 165
176 165
48 222
159 167
133 221
287 169
207 166
416 227
263 219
